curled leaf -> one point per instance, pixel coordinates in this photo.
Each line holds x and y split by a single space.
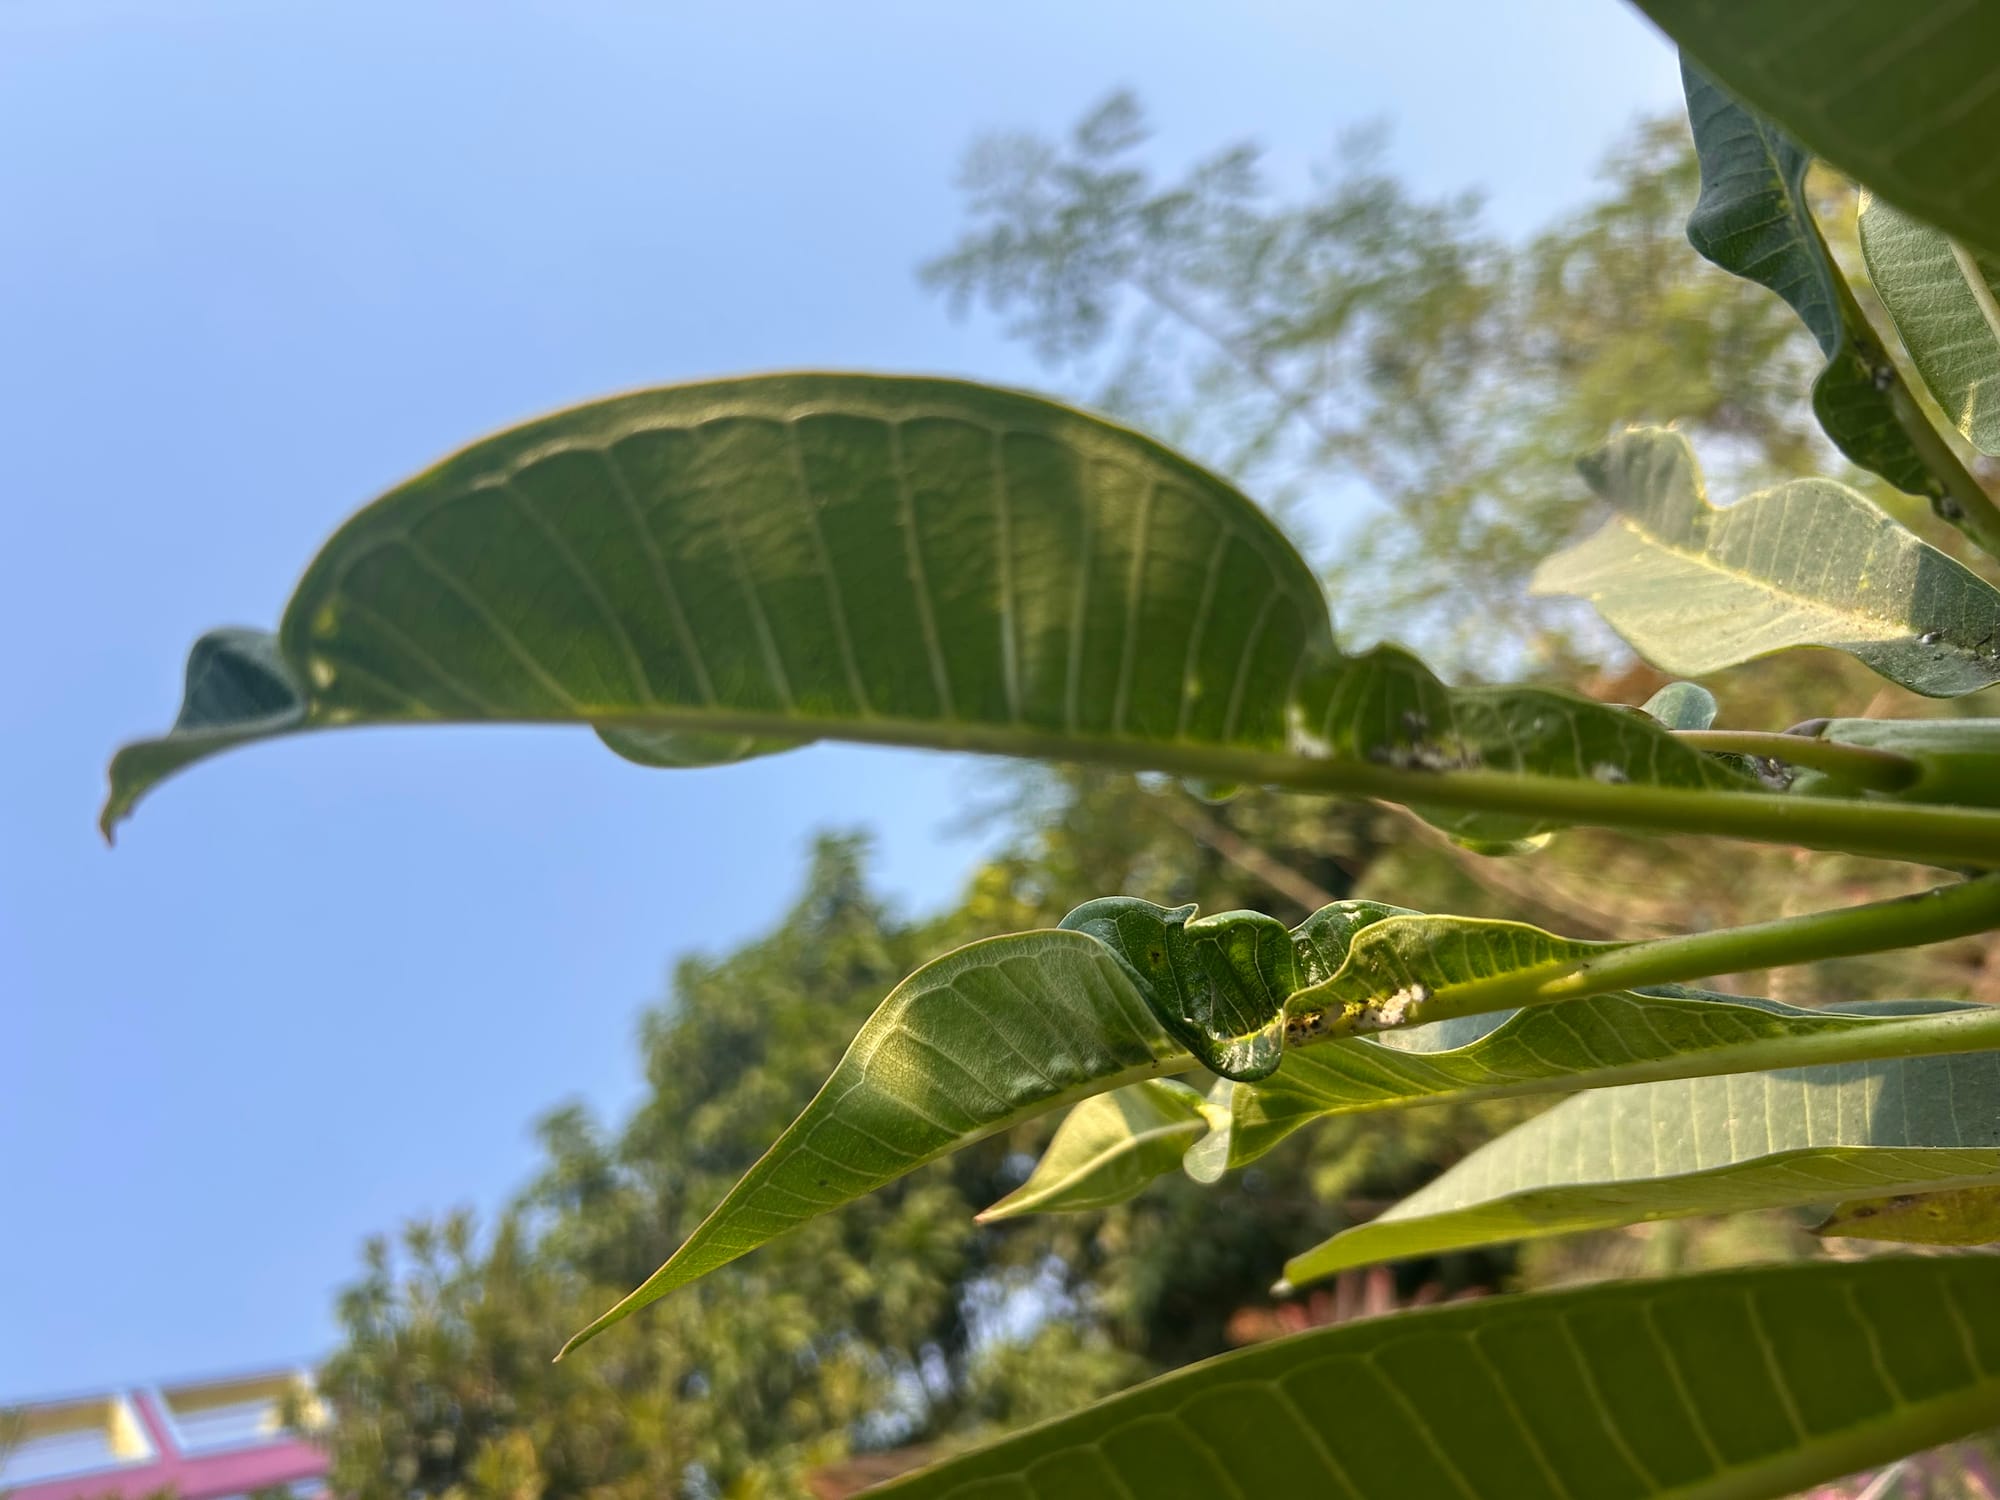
1753 218
1218 983
998 1032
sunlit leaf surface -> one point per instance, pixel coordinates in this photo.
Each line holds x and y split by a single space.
1701 1146
1108 1148
1945 300
1720 1387
713 571
1810 563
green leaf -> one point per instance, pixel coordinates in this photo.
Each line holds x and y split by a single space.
1108 1148
238 690
690 749
1387 707
711 571
1809 563
1218 984
1577 1044
1729 1386
995 1033
1945 300
1700 1146
1683 705
1962 1216
1903 98
1752 219
1411 968
987 1036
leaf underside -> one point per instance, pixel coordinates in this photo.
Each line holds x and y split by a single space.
1683 705
1945 302
1108 1148
1753 219
1700 1146
1903 98
1959 1216
1590 1043
1695 589
989 1035
1009 1028
712 571
1725 1386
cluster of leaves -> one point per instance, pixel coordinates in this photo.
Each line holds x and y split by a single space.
901 1323
715 571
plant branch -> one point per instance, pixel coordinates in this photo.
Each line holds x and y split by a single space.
1951 837
1960 499
1917 833
1934 916
1855 765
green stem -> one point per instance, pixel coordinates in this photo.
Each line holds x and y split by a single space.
1951 837
1962 499
1938 1034
1934 916
1948 836
1853 765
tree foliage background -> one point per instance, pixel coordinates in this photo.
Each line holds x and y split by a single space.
1408 390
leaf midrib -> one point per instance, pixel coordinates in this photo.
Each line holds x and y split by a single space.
1889 627
1017 1206
1948 835
1977 284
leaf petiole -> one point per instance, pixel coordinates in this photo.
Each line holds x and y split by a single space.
1856 766
1933 916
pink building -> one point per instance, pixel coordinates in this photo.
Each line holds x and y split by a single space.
205 1440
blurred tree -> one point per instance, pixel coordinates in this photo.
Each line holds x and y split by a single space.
1416 390
1427 384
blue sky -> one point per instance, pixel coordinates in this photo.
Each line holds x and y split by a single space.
256 263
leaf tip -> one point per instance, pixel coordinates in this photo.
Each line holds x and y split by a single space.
120 796
1008 1207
